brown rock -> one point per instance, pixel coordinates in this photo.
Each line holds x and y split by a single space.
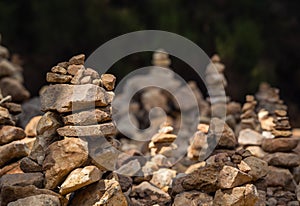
223 132
147 194
282 133
256 151
86 80
108 81
193 198
91 72
163 138
13 87
279 144
130 169
238 196
30 128
13 108
230 177
105 129
278 177
57 162
28 165
104 192
88 117
73 69
13 193
78 76
10 133
40 200
194 167
13 168
78 59
259 168
13 150
282 159
79 178
244 167
66 98
63 64
5 118
22 179
58 70
204 178
58 78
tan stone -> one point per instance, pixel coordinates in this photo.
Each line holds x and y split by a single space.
10 133
230 177
58 78
108 81
30 128
78 59
58 70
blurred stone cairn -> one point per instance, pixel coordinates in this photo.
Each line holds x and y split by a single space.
250 157
11 78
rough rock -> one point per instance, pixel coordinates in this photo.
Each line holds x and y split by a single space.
238 196
58 78
131 168
79 178
5 118
10 133
22 179
147 194
259 168
230 177
256 151
250 137
66 98
104 192
88 117
205 178
13 193
57 165
279 177
38 200
163 178
73 69
106 129
28 165
78 59
282 159
58 70
30 128
279 144
193 198
13 150
108 81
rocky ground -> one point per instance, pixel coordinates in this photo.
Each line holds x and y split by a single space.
74 155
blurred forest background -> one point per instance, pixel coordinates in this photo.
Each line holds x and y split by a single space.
257 40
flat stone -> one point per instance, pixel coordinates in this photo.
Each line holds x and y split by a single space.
13 193
13 168
13 150
11 133
163 138
282 159
108 81
86 80
163 178
222 133
88 117
58 70
194 167
230 177
78 59
104 192
40 200
14 88
282 133
256 151
79 178
279 144
57 163
63 64
66 98
238 196
30 128
204 178
281 113
12 107
193 198
22 179
279 177
58 78
250 137
259 168
6 67
105 129
147 194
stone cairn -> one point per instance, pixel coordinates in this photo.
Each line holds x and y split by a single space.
13 142
64 158
11 78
